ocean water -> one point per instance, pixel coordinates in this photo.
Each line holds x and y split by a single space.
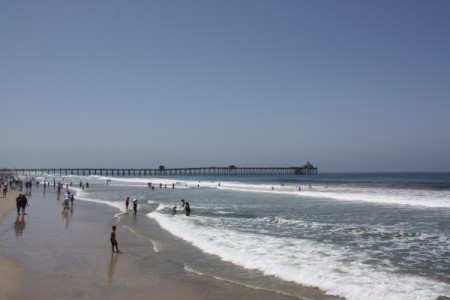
356 236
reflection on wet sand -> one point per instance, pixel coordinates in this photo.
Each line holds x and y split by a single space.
19 225
112 266
66 215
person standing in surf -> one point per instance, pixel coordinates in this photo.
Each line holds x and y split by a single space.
135 207
187 208
127 202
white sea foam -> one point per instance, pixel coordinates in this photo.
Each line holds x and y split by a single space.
82 195
156 246
331 268
422 198
432 199
140 181
161 207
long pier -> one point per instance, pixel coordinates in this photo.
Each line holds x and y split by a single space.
161 171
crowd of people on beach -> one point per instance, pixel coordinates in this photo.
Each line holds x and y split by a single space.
9 182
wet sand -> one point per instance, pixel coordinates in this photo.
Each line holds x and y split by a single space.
11 274
67 254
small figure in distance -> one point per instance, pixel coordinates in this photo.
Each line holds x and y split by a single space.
182 203
24 203
72 198
135 207
66 200
174 210
19 203
113 240
187 208
127 202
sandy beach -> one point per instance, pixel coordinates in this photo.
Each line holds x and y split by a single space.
53 253
11 274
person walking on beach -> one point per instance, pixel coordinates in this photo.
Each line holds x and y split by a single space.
19 203
24 204
135 207
66 200
5 190
127 202
72 198
113 240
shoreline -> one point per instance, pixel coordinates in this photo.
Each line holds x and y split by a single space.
156 257
11 274
73 259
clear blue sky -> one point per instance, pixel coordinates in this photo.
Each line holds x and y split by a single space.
346 85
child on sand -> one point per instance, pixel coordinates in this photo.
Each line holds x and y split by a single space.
113 240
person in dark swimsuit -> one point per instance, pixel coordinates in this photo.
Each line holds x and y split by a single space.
187 208
113 240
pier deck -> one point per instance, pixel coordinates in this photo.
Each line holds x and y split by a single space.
204 171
